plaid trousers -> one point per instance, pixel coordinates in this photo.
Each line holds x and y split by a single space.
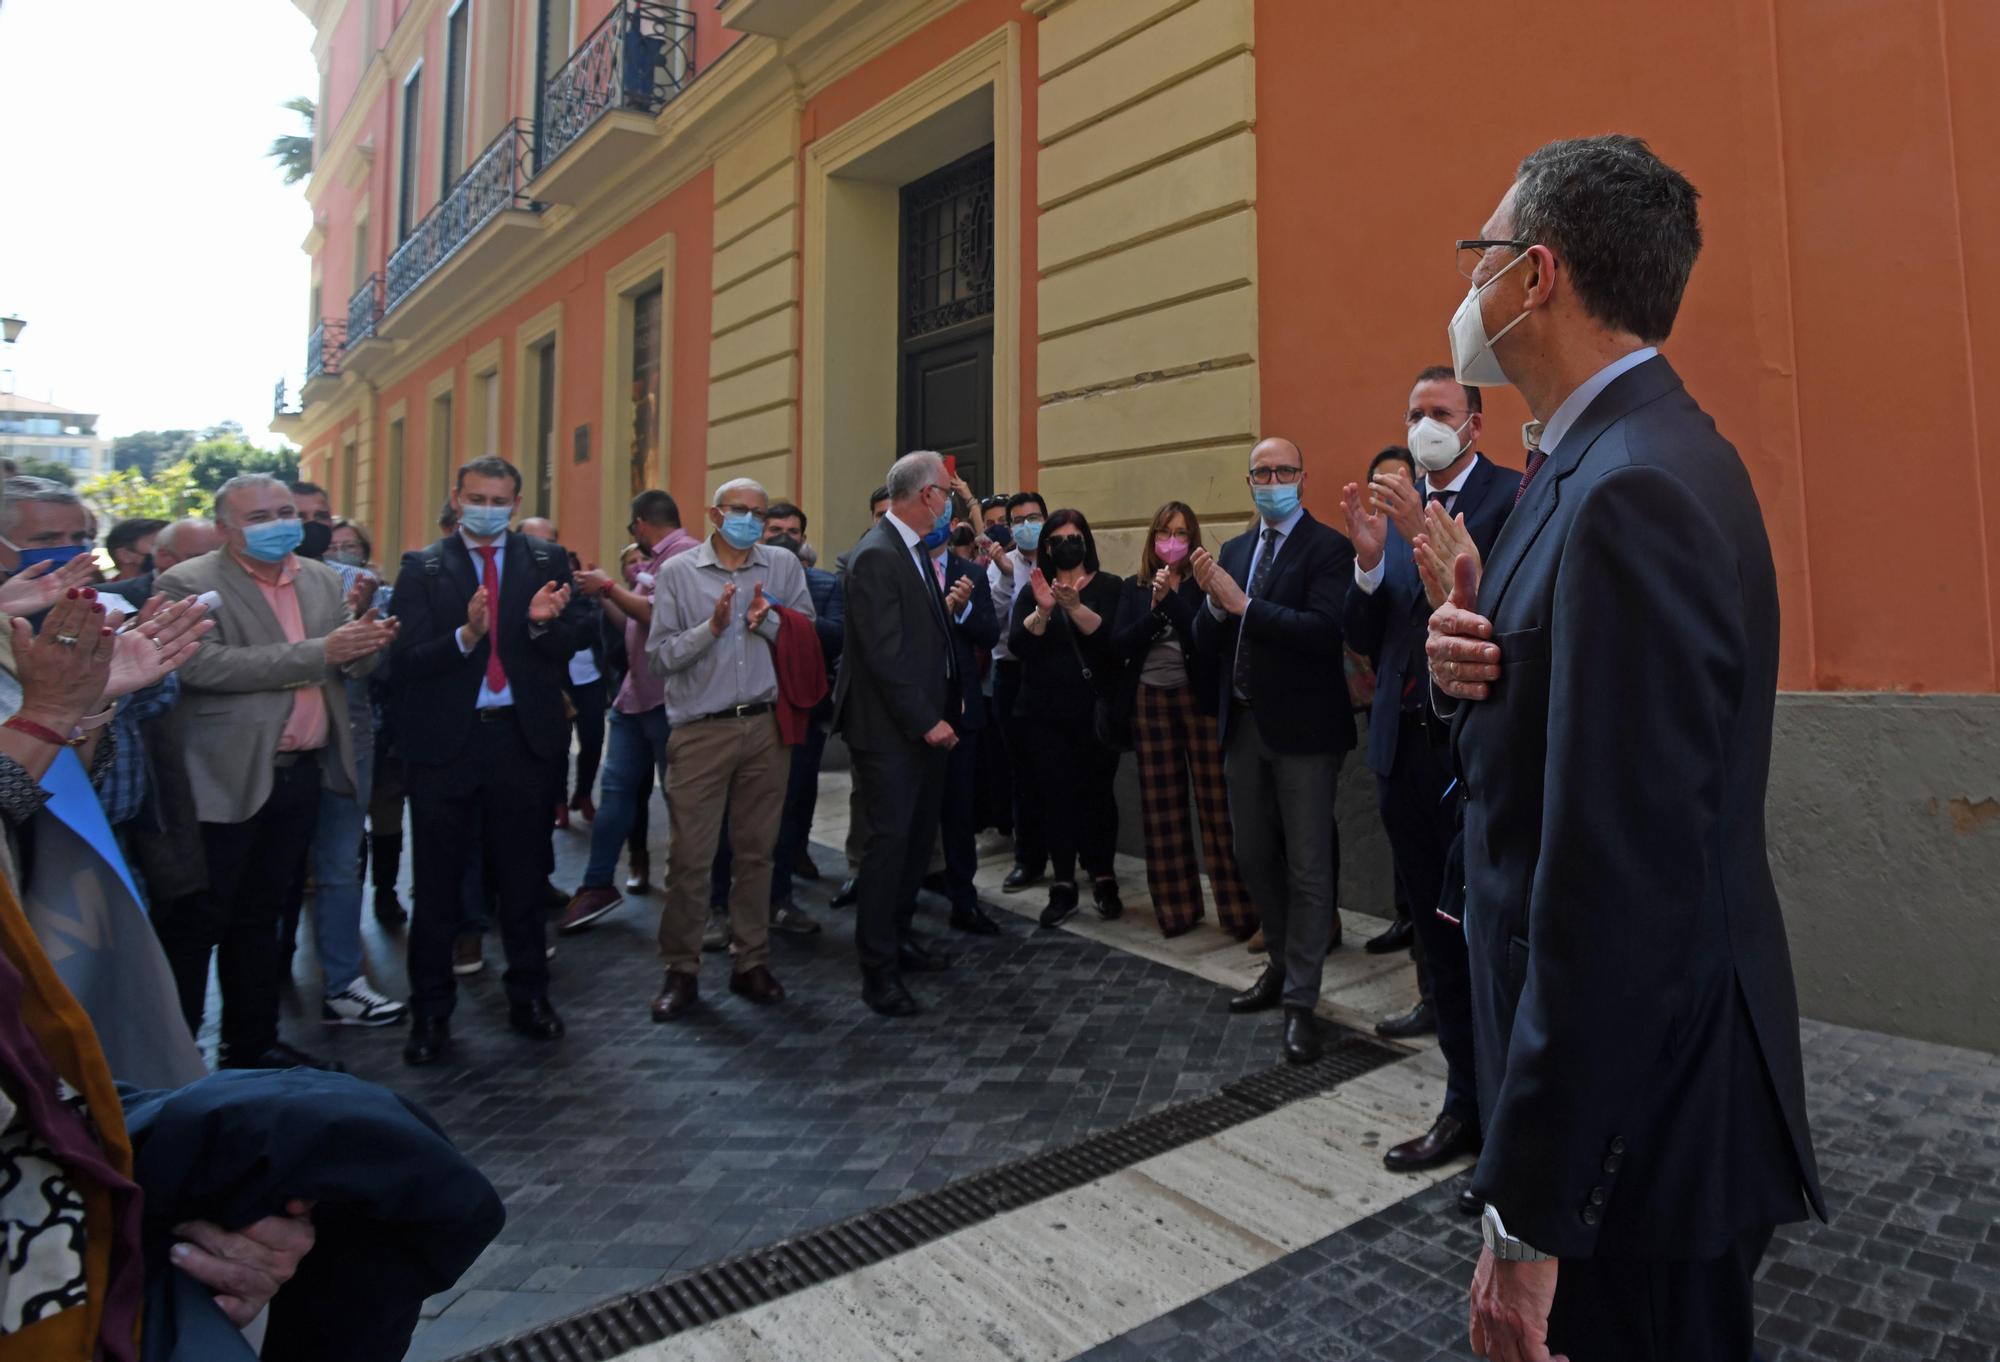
1177 742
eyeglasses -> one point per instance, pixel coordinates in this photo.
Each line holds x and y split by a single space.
1284 474
1470 253
753 512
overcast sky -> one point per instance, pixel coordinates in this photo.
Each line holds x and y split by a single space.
151 247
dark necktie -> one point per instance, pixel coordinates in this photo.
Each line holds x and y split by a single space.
1259 577
496 675
1439 499
1535 461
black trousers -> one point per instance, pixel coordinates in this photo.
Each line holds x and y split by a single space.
902 788
591 704
494 794
959 823
1423 828
1031 848
1616 1310
250 869
1080 806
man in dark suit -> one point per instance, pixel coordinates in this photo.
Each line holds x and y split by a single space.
1386 618
976 628
899 693
1273 619
488 627
1612 676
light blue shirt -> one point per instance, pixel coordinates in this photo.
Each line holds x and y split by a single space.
1586 392
1284 528
488 699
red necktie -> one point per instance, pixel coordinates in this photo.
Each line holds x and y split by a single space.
496 675
1535 461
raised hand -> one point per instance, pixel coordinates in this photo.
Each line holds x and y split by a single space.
360 638
165 637
548 603
37 587
591 582
1163 582
475 616
1045 598
62 681
1065 594
1463 663
1367 527
1204 567
725 610
760 606
1444 540
1220 586
361 593
1392 494
998 555
956 598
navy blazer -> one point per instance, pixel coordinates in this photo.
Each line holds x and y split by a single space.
1635 1020
438 686
1140 625
979 629
1298 685
1390 624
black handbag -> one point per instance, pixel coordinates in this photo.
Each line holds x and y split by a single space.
1110 721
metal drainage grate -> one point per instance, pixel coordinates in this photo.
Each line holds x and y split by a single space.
762 1275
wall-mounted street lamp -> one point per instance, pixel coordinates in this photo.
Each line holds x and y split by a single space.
10 328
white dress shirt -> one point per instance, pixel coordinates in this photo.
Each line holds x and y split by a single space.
1284 528
1005 587
487 699
1370 579
1586 392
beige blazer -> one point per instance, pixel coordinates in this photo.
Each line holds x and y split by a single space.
236 691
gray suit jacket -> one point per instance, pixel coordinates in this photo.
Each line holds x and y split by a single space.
237 688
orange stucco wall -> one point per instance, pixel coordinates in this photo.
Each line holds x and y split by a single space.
1837 326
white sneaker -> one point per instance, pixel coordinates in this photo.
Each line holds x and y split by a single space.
360 1005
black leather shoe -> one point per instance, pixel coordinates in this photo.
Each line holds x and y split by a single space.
1109 905
1301 1035
1263 995
1469 1202
1019 878
280 1056
1418 1021
676 998
1397 938
1062 903
913 958
1447 1138
757 984
844 896
883 990
535 1019
975 920
429 1038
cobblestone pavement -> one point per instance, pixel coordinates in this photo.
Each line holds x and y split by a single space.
1908 1137
630 1150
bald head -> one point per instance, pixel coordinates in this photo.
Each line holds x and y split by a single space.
1277 478
540 527
185 539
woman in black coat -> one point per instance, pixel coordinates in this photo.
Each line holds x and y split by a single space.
1171 689
1061 629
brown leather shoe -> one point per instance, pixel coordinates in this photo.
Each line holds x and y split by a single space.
678 995
591 903
757 984
1447 1138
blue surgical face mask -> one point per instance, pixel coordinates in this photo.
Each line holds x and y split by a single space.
1028 535
58 555
272 540
1276 501
742 529
483 522
936 534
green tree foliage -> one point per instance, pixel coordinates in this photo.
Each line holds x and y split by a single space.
146 450
217 459
33 467
293 154
169 493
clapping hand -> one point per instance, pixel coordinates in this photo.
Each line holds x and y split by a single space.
760 606
1463 664
998 554
1219 585
63 670
37 587
1367 527
475 616
1444 541
164 637
956 598
548 603
725 610
360 638
1392 494
1163 582
1045 599
1065 594
361 593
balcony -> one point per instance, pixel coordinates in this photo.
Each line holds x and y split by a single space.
598 110
483 224
285 419
365 347
323 351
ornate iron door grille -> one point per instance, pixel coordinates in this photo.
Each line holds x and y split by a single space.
948 247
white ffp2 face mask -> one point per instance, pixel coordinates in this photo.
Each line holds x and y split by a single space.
1434 445
1472 359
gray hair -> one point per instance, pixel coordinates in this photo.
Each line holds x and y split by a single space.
738 485
243 482
22 487
808 555
165 539
915 471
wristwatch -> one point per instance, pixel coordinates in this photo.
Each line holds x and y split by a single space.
1503 1245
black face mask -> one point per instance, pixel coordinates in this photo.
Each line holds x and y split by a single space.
146 565
1064 553
315 539
790 543
962 537
1001 535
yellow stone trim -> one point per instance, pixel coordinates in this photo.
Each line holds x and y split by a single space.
546 325
391 509
441 457
1209 105
1081 31
626 280
993 63
1155 57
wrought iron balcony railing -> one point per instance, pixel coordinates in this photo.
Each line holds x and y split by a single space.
323 348
496 181
639 58
278 407
364 309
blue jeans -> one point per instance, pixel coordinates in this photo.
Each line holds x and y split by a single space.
336 855
636 749
794 824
